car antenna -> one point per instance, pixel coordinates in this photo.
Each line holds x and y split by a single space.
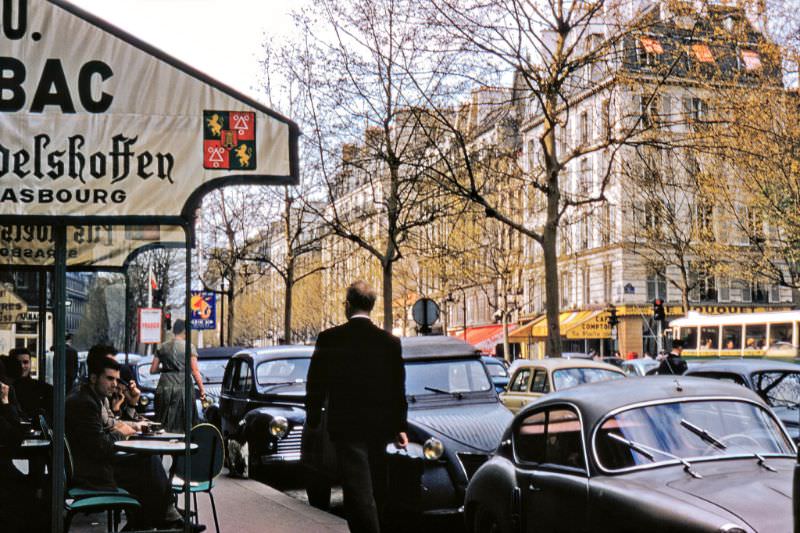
678 386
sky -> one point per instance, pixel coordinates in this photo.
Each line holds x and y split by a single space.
222 38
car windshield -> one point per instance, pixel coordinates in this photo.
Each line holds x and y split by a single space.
496 369
449 376
212 370
145 378
280 371
566 378
688 430
778 388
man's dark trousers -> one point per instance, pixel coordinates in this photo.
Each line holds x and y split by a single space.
362 466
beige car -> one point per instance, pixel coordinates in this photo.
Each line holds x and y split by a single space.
537 377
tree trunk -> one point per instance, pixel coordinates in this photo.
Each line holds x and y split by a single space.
552 305
287 304
386 267
504 310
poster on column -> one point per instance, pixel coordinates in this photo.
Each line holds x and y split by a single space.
150 325
94 122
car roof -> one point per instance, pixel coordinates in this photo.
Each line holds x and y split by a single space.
742 366
269 353
642 361
436 347
595 400
218 352
554 363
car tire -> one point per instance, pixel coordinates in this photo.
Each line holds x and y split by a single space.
318 490
486 522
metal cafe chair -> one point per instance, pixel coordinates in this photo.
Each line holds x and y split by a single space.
79 500
206 464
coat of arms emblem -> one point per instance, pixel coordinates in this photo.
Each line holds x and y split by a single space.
229 140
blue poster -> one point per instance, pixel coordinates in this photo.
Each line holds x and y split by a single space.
204 310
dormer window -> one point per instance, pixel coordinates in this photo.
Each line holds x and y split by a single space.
651 49
751 59
703 53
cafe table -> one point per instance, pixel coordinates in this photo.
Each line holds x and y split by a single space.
154 447
164 435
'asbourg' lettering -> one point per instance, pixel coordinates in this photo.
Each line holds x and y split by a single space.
119 163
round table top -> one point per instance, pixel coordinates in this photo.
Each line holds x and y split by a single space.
156 447
35 443
164 435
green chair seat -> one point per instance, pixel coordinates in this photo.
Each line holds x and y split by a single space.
194 486
79 494
102 503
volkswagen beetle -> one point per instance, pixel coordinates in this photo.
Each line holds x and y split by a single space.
455 421
659 454
261 408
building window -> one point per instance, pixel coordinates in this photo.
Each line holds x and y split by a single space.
584 128
694 109
587 287
606 224
605 119
607 283
656 285
704 287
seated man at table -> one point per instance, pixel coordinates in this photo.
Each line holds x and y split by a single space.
92 444
34 396
120 408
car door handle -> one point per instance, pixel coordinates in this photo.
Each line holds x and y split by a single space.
533 488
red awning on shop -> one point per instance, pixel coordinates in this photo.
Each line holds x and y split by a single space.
484 338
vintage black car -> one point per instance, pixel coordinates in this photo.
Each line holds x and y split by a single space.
262 409
455 421
777 382
661 454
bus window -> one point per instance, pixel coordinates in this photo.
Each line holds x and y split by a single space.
732 337
755 336
780 333
709 337
689 338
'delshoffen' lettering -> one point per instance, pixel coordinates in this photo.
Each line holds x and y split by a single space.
71 161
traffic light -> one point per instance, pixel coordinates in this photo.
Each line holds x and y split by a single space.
158 297
168 320
612 316
658 310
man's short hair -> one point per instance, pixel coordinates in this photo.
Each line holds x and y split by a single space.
179 326
678 343
14 352
361 296
97 359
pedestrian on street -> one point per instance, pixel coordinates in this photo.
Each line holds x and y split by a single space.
170 362
673 363
357 371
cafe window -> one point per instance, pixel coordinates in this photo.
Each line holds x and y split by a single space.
709 338
755 336
780 333
732 337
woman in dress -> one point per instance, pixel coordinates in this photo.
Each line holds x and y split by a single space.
170 362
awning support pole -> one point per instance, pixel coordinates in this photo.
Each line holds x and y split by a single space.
188 384
59 378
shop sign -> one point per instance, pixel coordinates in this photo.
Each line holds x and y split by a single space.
92 123
149 325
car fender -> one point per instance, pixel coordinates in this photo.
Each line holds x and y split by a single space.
494 489
255 423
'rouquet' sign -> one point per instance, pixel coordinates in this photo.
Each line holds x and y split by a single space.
94 122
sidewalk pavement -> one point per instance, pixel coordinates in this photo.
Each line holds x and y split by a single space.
246 506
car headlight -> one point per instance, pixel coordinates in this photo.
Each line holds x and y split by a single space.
278 427
144 400
432 449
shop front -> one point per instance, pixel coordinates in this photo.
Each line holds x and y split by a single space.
581 331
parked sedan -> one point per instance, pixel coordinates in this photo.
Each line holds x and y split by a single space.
659 454
498 371
537 377
777 382
639 367
261 408
455 421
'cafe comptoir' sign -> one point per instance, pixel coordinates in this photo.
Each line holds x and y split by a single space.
93 122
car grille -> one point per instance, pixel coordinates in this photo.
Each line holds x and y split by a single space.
214 390
471 462
289 446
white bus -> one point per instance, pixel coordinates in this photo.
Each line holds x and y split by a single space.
773 334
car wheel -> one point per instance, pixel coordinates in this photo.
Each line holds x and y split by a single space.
238 458
318 490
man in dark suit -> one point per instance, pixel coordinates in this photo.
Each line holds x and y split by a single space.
357 368
673 363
